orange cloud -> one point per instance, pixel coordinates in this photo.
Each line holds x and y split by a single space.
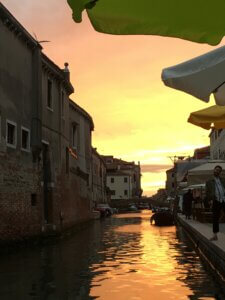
154 168
117 79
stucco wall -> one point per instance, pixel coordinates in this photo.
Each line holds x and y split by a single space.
98 179
119 186
217 144
15 81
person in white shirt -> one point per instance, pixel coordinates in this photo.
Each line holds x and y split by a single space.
215 192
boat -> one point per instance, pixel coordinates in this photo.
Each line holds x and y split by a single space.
162 218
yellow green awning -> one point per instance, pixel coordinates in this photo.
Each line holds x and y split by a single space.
213 116
200 21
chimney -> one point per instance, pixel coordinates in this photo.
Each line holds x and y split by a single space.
66 71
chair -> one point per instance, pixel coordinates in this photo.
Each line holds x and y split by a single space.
205 215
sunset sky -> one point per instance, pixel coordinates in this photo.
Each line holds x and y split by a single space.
117 80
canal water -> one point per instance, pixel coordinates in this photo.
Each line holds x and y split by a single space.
122 257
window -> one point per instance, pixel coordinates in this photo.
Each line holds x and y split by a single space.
125 179
95 167
74 135
125 192
62 103
0 128
11 135
112 180
113 192
25 139
49 94
216 134
219 132
67 160
33 199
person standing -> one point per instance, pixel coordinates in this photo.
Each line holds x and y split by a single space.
187 204
215 192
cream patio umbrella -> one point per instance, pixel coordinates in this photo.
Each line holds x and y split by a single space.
201 174
211 117
200 76
199 21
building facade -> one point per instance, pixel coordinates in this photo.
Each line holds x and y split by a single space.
45 141
170 182
79 166
202 153
20 131
56 89
99 191
217 144
123 178
120 185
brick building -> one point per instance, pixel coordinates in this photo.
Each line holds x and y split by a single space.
202 153
20 131
45 141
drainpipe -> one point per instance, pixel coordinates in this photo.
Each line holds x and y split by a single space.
92 179
129 188
36 125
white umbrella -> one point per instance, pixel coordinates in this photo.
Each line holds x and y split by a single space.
200 76
194 186
204 172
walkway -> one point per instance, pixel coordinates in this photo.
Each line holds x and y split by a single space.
205 229
212 252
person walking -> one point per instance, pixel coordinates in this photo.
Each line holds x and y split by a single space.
215 192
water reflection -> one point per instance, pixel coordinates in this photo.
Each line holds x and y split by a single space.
123 257
190 270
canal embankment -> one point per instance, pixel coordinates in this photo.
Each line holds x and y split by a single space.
48 237
212 253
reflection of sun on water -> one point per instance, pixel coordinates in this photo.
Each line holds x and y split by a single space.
141 264
156 252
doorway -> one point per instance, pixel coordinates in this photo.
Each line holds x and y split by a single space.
47 189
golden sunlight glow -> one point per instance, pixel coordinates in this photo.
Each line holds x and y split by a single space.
117 79
144 261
